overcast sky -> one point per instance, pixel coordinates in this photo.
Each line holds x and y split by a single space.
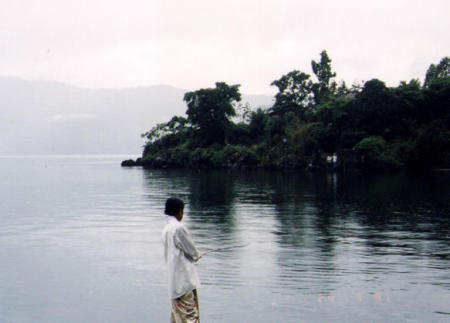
192 44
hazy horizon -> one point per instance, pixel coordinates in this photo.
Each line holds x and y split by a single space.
162 85
48 118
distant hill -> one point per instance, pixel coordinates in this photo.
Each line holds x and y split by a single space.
38 117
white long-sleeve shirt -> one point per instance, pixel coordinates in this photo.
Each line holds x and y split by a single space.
180 254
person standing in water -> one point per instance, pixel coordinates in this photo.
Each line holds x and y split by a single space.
180 255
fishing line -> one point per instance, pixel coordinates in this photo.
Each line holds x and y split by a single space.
230 248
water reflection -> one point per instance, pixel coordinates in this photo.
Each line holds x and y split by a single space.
211 200
316 210
209 197
315 234
322 247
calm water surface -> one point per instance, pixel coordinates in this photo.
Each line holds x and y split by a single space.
80 242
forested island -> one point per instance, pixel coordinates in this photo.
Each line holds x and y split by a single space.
315 123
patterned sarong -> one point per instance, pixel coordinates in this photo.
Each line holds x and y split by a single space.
185 308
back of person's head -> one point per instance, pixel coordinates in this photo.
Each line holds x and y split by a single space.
173 206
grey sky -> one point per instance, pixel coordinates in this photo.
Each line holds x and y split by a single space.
192 44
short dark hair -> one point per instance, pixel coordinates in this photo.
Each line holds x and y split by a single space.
173 206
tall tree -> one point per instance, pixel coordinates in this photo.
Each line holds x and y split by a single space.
325 86
294 93
209 111
374 108
442 70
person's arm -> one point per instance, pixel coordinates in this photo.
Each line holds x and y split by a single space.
183 241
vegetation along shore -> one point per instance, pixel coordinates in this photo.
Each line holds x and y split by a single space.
315 123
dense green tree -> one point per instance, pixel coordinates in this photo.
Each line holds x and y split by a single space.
373 108
437 101
371 147
209 111
365 115
376 154
166 134
434 72
258 120
406 109
173 127
294 93
332 118
325 86
378 128
429 146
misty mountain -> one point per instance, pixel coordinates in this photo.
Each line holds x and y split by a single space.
40 117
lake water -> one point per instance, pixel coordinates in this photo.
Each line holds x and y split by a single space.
80 241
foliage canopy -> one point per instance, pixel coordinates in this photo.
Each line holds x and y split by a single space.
388 128
210 110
